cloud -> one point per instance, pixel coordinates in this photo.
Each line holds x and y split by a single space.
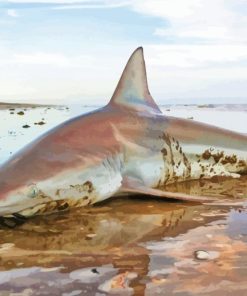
217 21
212 32
54 76
47 59
213 72
198 49
12 13
74 4
92 6
86 3
190 56
54 1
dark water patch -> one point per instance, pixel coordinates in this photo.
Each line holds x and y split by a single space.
39 122
237 223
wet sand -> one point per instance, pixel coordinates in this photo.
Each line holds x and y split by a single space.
132 245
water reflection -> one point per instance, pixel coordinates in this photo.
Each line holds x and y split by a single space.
129 245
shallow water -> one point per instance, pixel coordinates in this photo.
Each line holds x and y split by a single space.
129 246
132 245
20 125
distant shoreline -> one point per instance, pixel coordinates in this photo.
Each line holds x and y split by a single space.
228 107
4 106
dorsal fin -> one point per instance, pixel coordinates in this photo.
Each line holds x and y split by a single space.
132 89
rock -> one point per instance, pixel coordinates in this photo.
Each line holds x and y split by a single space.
20 113
94 270
201 255
39 123
90 235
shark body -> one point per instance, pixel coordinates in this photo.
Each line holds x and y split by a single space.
128 146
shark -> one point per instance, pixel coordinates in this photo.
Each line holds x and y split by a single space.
127 147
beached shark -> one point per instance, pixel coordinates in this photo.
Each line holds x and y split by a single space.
126 147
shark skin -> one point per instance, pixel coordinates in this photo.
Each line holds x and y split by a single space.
127 147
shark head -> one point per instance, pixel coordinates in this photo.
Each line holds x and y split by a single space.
16 200
58 179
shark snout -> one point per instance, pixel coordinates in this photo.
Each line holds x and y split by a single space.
19 199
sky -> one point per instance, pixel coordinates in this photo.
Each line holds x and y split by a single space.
73 51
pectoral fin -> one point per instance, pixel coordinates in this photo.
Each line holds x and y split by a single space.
132 185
